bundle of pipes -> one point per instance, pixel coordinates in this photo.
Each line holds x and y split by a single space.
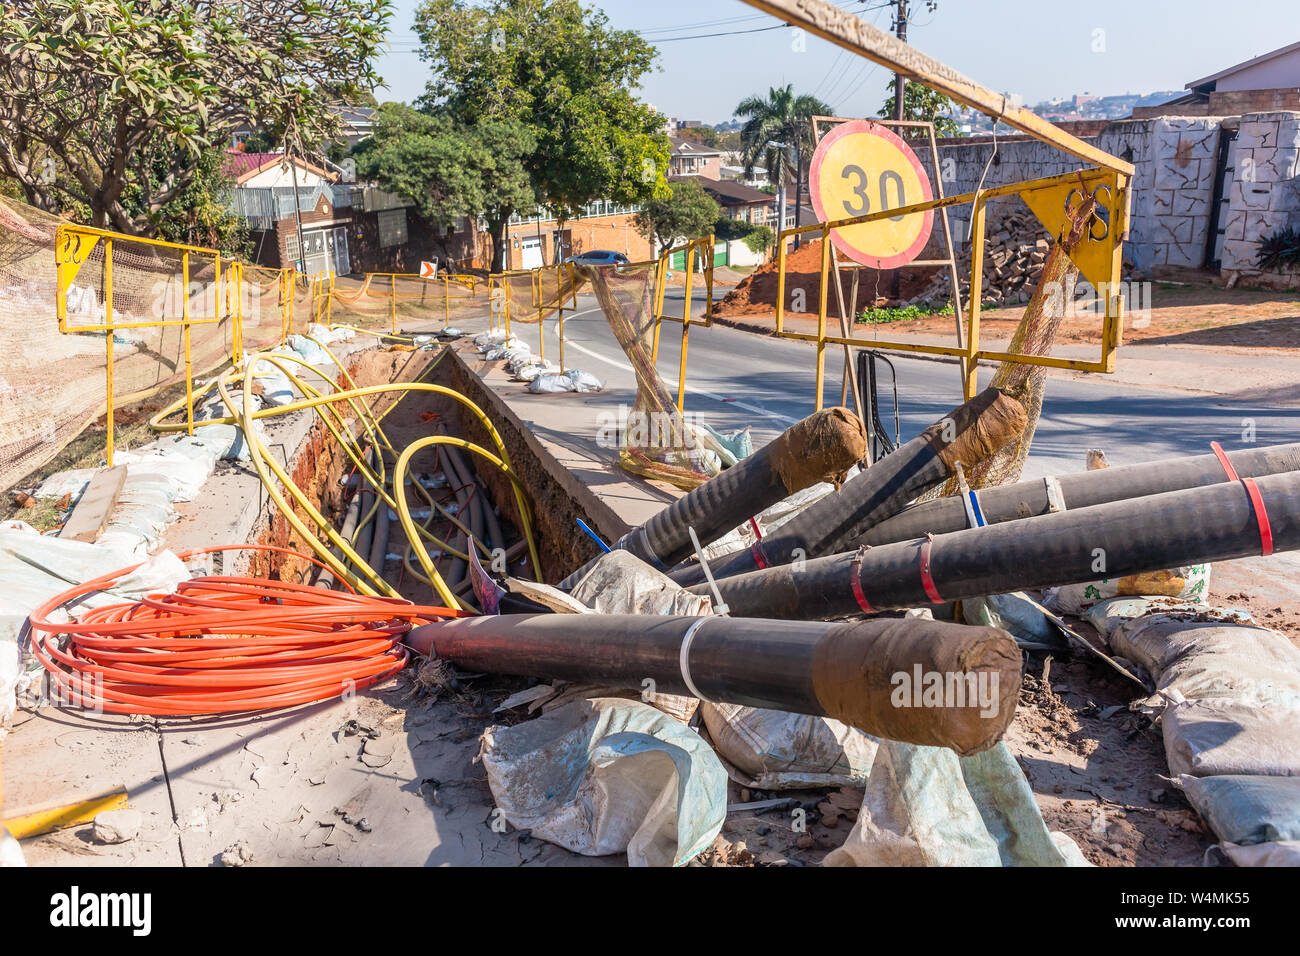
1218 522
967 434
822 447
868 674
1081 490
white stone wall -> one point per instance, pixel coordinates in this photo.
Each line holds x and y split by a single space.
1264 195
1172 189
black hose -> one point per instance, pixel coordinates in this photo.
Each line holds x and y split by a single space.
847 671
822 447
1179 528
1080 490
967 434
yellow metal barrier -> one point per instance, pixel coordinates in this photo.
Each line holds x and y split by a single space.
76 245
1099 258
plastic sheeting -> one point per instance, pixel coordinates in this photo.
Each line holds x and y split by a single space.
925 806
775 750
36 567
608 776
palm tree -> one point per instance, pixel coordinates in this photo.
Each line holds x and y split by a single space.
775 128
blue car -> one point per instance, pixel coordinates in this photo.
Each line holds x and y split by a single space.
599 257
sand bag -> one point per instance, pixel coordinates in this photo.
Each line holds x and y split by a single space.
925 806
1190 583
1246 810
606 776
1216 737
776 750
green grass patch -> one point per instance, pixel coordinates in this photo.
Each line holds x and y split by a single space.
885 315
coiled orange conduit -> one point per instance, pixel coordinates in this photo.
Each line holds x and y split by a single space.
222 645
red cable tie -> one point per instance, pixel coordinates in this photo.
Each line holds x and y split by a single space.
1256 499
855 582
1223 460
758 535
927 580
756 549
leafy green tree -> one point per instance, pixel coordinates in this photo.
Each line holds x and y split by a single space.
922 104
119 90
687 212
198 214
559 70
778 132
760 239
450 169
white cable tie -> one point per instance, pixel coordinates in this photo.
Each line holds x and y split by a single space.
684 659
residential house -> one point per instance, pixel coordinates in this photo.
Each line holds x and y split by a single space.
1266 83
693 159
345 227
739 201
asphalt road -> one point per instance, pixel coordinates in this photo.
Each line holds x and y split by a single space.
736 378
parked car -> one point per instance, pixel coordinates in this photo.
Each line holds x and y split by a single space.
599 257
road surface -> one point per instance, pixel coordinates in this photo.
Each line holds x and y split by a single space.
737 378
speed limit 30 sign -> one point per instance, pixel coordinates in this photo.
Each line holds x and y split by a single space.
861 167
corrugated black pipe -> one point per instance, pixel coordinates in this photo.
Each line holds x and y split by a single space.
1179 528
967 434
852 672
822 447
1081 490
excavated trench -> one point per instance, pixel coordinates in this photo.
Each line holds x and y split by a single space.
320 468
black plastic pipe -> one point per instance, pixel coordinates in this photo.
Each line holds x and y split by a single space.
967 434
847 671
822 447
1081 490
1111 541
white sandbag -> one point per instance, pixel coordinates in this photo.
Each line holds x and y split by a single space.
775 750
1015 613
1108 615
925 806
310 352
583 381
1196 659
1191 583
606 776
1246 810
1280 853
1215 737
619 582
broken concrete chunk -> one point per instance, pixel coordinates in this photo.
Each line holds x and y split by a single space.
117 826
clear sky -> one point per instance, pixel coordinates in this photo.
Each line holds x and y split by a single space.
1037 49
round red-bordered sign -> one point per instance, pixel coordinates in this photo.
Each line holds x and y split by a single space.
854 170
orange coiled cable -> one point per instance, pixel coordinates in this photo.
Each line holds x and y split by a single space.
221 644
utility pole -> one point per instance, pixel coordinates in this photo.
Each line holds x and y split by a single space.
900 81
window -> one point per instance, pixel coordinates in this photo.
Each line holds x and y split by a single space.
291 248
392 227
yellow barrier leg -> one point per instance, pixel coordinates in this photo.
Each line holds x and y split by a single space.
821 315
392 302
189 366
108 348
446 302
686 331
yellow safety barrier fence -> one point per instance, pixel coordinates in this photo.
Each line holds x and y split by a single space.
1098 255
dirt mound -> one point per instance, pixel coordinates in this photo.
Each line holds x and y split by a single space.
756 295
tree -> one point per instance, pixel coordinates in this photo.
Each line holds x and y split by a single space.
687 212
449 169
563 73
774 129
198 214
922 104
119 90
